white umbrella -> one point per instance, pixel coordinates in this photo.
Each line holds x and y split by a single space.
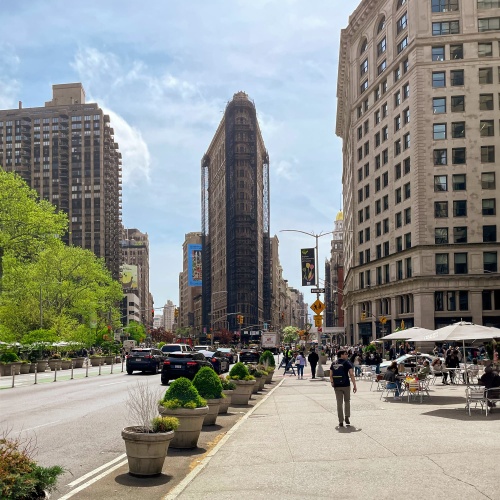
408 333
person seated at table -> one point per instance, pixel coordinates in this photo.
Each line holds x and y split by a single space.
424 371
437 368
392 381
489 379
453 363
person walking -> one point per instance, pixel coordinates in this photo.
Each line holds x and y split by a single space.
341 375
313 359
300 362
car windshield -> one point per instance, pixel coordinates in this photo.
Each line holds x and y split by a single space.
138 354
171 348
224 349
182 355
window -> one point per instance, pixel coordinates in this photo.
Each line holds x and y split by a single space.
440 183
360 111
366 126
458 156
438 301
441 235
365 104
363 87
439 105
407 190
398 220
488 180
367 148
363 68
457 77
360 132
377 117
406 66
378 229
402 45
456 51
397 171
485 76
400 4
445 28
490 261
367 238
488 207
408 267
397 147
377 162
385 179
360 238
367 191
385 226
382 67
397 98
406 115
377 184
397 123
451 303
386 249
488 24
406 140
407 165
385 202
489 233
438 79
385 110
378 206
444 5
442 263
487 128
488 4
397 74
460 234
381 25
487 154
399 244
399 269
486 102
484 49
457 103
460 263
367 169
458 130
385 156
381 47
440 156
460 208
402 23
367 212
360 216
459 182
439 131
440 209
397 196
385 134
407 215
406 91
438 53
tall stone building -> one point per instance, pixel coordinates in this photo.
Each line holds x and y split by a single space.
66 151
418 109
135 252
235 221
334 276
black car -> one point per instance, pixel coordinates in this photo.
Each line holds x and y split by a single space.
250 355
219 362
182 364
144 360
230 354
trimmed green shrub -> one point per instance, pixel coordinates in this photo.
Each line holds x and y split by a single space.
255 372
9 357
240 372
182 394
267 358
208 383
227 385
165 424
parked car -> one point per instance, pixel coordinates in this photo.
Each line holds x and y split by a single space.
409 360
182 364
230 354
219 362
250 355
199 348
176 348
144 359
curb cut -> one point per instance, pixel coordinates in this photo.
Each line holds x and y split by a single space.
172 495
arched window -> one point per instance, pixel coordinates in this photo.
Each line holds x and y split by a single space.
363 46
381 25
400 4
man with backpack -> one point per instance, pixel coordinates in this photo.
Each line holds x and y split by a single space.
341 373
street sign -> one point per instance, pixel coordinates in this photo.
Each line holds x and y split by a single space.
317 290
318 306
320 329
318 320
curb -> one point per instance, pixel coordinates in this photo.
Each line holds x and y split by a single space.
172 495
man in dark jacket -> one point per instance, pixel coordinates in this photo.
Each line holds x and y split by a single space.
313 359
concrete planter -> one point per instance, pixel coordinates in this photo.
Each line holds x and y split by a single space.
55 364
262 382
25 368
190 423
96 361
78 362
225 402
109 360
258 381
323 359
6 369
269 377
146 452
66 364
243 391
33 366
213 411
41 365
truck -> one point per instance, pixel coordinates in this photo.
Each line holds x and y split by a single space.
270 341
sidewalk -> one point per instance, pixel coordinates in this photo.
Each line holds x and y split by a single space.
290 446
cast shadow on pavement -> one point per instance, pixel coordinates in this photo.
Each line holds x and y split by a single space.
190 452
348 430
143 482
461 414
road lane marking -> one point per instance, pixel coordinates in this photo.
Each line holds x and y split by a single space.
113 383
92 481
38 426
95 471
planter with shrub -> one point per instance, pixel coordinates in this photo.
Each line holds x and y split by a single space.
244 383
147 441
209 387
96 360
183 401
25 367
227 389
10 361
66 363
267 360
260 379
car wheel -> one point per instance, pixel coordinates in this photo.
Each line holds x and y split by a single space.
130 371
164 382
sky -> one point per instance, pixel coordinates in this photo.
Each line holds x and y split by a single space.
165 71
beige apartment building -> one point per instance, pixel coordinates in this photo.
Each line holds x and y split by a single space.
418 111
66 151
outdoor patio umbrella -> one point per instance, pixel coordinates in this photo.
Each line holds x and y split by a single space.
414 331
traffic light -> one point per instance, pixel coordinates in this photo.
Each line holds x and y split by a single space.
363 315
176 312
152 313
239 319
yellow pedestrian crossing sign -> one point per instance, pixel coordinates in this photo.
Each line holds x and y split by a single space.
318 320
317 306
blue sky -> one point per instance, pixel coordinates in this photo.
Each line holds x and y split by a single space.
165 72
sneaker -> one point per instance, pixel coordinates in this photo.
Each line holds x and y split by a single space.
347 422
341 424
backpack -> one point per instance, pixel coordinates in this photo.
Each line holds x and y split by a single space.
339 374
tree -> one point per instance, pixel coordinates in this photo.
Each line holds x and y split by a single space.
291 334
136 331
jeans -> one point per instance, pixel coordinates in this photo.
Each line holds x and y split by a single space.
395 385
343 395
300 370
377 369
357 370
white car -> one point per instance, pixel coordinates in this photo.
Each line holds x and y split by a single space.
408 359
176 348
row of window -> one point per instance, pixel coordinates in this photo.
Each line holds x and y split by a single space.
459 182
46 121
460 263
457 103
441 28
459 234
457 79
488 207
451 300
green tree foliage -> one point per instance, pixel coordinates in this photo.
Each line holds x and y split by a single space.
135 331
291 334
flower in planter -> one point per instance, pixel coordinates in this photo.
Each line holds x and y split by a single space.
227 385
208 383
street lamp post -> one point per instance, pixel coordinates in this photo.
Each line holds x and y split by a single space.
319 372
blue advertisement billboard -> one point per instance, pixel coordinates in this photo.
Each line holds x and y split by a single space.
194 265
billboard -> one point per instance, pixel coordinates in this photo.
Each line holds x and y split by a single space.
194 265
308 266
129 276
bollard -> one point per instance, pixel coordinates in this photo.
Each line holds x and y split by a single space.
72 366
87 368
36 373
122 364
100 364
112 364
55 374
13 373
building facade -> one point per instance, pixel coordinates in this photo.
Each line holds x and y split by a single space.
418 109
235 222
334 276
66 151
169 315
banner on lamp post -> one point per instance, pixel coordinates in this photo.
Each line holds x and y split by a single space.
308 266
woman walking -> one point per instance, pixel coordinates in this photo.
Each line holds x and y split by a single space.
300 362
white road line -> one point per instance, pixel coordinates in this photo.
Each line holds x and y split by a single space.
113 383
38 426
92 481
95 471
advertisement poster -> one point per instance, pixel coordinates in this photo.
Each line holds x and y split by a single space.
308 266
194 265
129 276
